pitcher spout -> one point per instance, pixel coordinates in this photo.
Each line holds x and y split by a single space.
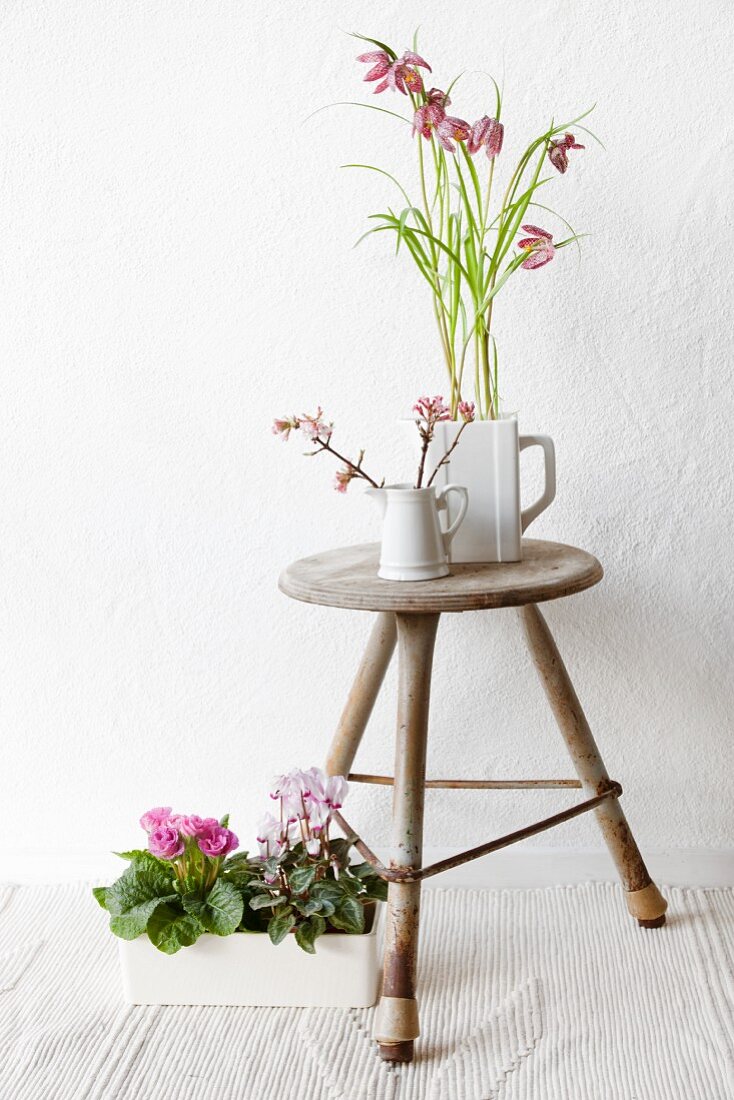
380 498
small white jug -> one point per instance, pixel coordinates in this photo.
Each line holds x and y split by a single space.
414 548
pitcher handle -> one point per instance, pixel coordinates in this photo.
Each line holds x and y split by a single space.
441 503
549 491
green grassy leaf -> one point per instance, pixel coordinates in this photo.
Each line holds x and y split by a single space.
375 42
169 929
382 172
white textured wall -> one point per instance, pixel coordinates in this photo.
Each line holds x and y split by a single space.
177 268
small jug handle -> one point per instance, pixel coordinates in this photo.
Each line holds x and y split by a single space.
441 504
549 490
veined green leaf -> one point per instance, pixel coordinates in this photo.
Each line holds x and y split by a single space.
169 929
220 911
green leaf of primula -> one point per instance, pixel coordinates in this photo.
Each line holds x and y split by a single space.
308 931
143 859
220 912
169 929
265 901
349 916
133 898
280 924
300 878
100 893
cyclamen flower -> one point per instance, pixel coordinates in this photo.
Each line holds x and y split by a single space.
165 842
397 73
540 247
313 846
159 815
467 411
450 130
284 427
558 151
431 113
487 132
314 427
217 841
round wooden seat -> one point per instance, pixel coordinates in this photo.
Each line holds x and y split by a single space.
348 578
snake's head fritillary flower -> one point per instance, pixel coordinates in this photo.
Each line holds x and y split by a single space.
400 73
431 113
558 151
487 132
539 247
450 130
283 427
314 427
467 411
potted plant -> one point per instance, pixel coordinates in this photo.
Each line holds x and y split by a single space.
250 924
466 241
414 548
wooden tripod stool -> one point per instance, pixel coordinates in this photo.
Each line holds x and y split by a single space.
409 614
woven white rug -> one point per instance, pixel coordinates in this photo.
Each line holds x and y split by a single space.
551 994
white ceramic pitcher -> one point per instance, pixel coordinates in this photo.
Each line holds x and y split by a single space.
414 548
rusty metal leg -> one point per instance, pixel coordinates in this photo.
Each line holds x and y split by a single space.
396 1022
365 689
644 900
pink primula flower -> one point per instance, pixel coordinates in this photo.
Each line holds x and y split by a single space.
285 426
217 841
487 132
193 825
165 842
159 815
539 246
398 73
558 151
450 130
467 411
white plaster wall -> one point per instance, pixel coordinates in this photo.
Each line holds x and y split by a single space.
178 268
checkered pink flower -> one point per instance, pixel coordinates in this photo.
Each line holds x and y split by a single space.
399 73
539 247
558 151
487 132
431 113
450 130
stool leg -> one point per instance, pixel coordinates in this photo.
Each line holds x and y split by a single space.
365 689
644 900
396 1022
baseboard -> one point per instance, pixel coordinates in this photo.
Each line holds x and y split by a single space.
515 867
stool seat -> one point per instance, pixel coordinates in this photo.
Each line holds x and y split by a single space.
348 578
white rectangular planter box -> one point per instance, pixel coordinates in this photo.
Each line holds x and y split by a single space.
247 969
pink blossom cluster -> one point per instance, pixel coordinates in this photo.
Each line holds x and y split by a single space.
314 427
171 835
308 800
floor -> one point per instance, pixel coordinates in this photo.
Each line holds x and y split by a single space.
547 994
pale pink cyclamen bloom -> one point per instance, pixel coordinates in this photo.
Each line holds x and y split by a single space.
159 815
313 846
540 247
467 411
271 836
217 841
431 113
450 130
285 426
314 427
558 151
399 73
165 842
487 132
